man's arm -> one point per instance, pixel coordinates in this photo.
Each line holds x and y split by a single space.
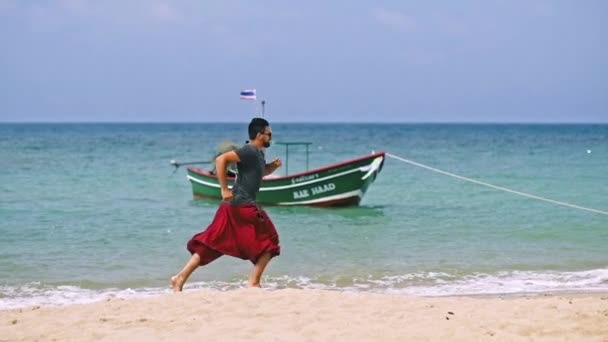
272 166
220 165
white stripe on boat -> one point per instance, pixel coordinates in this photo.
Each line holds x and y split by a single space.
354 193
295 185
215 185
373 167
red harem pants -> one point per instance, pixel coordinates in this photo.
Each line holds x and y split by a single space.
243 231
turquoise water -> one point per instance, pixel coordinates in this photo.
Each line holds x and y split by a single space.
94 210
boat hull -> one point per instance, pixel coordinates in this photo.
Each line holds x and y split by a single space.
342 184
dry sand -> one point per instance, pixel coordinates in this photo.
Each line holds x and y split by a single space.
311 315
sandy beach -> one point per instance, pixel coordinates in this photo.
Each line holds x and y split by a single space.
314 315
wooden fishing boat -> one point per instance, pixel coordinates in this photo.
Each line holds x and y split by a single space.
342 184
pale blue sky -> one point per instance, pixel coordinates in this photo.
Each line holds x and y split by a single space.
410 61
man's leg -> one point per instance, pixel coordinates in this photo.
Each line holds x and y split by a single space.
258 269
178 280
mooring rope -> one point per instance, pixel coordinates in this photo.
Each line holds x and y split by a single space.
495 186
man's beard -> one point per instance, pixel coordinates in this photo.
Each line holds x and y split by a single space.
267 144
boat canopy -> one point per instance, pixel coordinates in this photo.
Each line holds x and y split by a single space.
292 143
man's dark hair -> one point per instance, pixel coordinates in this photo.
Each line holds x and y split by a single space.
257 125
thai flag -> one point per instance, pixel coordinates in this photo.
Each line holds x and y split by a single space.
248 94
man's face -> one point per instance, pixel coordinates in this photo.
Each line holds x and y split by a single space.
267 136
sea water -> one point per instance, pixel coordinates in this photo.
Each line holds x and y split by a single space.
92 211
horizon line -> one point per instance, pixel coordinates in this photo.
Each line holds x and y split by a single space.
323 122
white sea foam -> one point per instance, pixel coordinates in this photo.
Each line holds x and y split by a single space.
34 294
419 284
511 283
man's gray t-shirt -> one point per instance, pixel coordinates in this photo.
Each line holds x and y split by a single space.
250 172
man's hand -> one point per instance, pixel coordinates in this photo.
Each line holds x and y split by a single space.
276 163
273 165
226 195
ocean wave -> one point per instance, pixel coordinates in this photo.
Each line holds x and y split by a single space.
36 294
430 284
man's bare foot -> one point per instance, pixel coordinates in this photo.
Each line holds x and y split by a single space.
253 285
177 283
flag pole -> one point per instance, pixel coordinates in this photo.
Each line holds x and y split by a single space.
263 104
